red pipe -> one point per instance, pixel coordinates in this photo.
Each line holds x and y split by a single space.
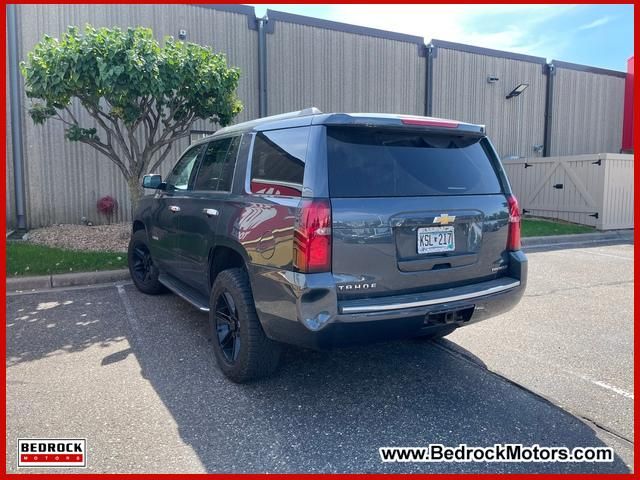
627 126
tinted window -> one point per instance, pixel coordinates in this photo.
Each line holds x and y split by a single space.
277 166
229 165
389 163
179 177
218 162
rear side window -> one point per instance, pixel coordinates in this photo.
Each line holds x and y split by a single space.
277 165
218 162
369 162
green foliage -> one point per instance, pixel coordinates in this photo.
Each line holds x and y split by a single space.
126 73
75 133
132 88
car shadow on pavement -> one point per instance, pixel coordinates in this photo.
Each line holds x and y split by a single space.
331 411
321 412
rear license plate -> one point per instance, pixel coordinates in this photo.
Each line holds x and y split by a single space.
436 239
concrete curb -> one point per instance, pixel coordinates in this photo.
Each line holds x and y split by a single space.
612 236
110 276
66 280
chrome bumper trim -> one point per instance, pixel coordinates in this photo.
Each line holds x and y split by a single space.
432 301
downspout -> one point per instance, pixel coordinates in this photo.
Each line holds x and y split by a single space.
428 97
550 70
16 118
262 66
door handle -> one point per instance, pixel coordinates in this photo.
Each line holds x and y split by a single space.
210 212
174 208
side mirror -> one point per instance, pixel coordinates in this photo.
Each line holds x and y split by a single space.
152 181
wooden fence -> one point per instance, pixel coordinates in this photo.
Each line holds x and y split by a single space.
594 190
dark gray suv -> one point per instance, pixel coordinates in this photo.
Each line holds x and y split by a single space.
325 230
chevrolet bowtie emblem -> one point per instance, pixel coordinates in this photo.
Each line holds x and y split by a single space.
444 219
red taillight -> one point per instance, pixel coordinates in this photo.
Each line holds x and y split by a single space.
312 237
513 239
429 122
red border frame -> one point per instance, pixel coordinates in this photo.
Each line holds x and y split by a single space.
4 474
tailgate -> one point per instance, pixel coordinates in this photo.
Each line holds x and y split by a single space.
377 243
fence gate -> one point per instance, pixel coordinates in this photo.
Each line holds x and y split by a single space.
572 188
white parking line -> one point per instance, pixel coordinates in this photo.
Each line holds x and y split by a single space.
557 368
617 390
585 378
581 376
131 316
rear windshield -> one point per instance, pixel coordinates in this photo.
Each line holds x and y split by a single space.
369 162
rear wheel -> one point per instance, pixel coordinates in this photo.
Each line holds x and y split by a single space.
143 271
242 349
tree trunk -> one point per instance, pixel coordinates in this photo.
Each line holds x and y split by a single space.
135 192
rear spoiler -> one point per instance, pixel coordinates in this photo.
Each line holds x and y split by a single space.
399 121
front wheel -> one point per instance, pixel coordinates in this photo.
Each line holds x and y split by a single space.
143 271
242 349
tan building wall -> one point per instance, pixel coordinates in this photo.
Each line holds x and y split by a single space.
461 91
587 111
338 71
333 66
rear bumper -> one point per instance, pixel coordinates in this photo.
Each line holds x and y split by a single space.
380 319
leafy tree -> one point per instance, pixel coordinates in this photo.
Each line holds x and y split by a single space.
140 97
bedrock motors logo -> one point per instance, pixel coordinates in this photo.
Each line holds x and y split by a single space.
52 452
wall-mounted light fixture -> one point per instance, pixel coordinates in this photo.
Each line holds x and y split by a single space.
182 34
518 90
492 79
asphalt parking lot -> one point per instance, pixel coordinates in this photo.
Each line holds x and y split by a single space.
136 377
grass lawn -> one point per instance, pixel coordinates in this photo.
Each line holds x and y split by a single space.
534 227
29 259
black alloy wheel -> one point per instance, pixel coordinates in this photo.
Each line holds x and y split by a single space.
142 264
143 270
227 327
241 348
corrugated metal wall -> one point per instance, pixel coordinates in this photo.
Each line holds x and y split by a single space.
335 67
461 91
64 180
587 112
342 72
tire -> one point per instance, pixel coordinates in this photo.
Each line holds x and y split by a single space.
242 349
141 267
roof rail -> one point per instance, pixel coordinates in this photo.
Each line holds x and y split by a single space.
259 121
298 113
